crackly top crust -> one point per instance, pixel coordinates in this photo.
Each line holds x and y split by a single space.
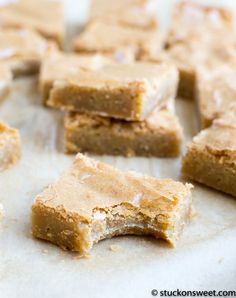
191 19
183 55
160 120
191 56
191 13
136 13
22 44
121 75
220 140
59 65
91 185
34 14
102 36
216 90
227 117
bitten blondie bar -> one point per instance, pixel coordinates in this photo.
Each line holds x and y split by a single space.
106 38
133 13
127 92
93 201
10 147
211 156
5 81
160 135
36 15
22 50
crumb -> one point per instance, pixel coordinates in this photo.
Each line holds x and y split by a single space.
45 251
194 214
115 248
82 256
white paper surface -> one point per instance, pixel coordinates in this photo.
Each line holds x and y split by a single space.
204 258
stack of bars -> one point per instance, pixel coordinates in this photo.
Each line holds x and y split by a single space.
116 103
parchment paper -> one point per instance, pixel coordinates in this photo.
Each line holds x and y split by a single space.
205 257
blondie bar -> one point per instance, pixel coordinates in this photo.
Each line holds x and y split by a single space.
129 91
133 13
211 156
190 20
104 37
10 146
94 201
22 50
186 59
36 15
160 135
215 91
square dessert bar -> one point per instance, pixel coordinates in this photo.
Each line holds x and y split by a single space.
59 65
93 201
10 146
44 16
133 13
215 91
191 19
186 58
108 37
160 135
5 81
129 91
191 57
22 50
211 156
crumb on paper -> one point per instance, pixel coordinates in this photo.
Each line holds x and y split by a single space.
82 256
194 213
45 251
115 248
